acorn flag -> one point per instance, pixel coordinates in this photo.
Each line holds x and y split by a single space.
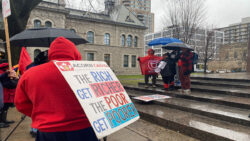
149 63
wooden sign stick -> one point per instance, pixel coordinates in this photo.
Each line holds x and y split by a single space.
7 42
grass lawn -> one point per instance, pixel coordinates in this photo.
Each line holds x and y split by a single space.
130 79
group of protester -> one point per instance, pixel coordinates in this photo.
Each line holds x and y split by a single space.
152 65
43 94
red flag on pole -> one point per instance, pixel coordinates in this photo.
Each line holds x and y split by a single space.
24 60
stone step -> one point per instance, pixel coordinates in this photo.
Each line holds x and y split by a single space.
240 92
244 80
225 113
231 84
193 125
227 100
222 90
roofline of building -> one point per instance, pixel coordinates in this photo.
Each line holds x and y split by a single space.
104 21
64 11
69 16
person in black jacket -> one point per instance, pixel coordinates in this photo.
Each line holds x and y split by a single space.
167 68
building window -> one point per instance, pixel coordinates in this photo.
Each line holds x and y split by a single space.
90 37
123 40
36 52
90 56
73 30
37 23
125 61
129 41
107 39
136 41
107 58
133 63
48 24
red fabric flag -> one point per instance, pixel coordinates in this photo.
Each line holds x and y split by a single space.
149 63
24 60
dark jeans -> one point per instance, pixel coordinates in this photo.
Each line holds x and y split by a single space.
79 135
153 78
168 79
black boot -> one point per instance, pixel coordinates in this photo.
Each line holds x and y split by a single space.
2 123
5 118
171 88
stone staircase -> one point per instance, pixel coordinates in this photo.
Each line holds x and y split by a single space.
217 108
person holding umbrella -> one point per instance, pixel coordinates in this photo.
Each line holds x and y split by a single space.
185 69
44 95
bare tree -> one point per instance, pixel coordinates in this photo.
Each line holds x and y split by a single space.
95 6
185 17
209 50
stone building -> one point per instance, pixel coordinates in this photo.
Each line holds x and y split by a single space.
142 9
115 35
238 32
232 57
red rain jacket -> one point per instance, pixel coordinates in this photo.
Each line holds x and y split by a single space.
185 62
149 63
44 95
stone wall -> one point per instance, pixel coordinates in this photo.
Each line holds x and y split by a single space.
232 57
248 58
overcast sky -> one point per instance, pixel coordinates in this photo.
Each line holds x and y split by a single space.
220 13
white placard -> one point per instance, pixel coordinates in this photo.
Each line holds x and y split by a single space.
148 98
101 95
6 8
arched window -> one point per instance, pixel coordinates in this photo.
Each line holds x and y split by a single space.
123 40
129 41
136 41
73 30
37 23
90 37
48 24
36 52
107 39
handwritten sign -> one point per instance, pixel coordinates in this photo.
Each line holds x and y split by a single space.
148 98
101 95
6 8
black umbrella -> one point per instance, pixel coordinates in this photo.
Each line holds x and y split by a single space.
177 46
43 37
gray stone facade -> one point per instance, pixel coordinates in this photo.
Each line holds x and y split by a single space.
82 22
232 57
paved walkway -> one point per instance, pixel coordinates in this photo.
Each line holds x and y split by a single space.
138 131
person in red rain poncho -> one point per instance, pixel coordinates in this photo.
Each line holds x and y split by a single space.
148 65
44 95
185 69
8 83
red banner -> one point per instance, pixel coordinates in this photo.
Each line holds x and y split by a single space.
148 64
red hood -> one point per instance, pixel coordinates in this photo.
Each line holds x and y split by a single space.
150 54
63 49
4 66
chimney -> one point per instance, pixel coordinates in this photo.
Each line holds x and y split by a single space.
109 6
